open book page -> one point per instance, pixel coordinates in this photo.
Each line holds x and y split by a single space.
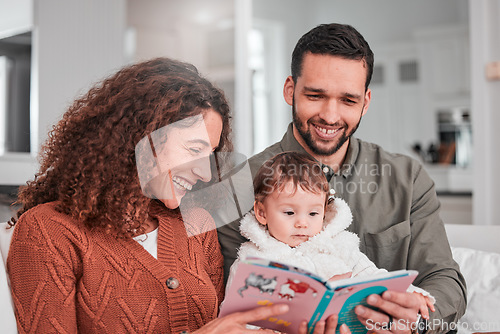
259 282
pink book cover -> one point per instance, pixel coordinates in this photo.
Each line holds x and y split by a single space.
259 282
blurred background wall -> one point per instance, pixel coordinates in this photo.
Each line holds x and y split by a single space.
431 97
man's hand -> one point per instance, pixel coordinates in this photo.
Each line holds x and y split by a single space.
398 312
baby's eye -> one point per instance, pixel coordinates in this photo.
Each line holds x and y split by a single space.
289 213
314 214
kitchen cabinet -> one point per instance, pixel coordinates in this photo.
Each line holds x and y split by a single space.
395 116
444 55
456 209
412 82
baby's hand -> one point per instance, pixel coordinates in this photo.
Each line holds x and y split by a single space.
341 276
425 304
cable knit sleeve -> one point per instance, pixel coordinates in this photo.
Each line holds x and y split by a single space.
43 266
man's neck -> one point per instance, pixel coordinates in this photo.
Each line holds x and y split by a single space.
335 160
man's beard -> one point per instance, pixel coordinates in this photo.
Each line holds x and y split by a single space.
306 135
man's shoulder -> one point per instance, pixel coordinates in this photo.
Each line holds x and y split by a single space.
373 152
258 159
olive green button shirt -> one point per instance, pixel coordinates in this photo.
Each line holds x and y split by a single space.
395 214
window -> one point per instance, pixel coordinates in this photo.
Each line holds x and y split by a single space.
15 73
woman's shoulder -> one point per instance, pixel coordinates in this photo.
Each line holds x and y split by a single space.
47 221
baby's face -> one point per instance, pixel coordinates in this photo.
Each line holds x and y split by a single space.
292 216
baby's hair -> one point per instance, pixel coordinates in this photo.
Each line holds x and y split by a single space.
286 167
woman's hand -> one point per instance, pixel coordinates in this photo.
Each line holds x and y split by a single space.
236 322
325 327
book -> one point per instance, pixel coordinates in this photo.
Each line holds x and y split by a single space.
260 282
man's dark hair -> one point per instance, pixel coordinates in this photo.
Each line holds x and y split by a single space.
333 39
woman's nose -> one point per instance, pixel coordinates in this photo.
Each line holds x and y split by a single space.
202 169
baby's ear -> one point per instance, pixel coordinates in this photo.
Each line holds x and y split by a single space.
330 211
260 212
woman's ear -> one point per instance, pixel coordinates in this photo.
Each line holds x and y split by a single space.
260 212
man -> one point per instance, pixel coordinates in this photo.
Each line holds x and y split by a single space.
393 200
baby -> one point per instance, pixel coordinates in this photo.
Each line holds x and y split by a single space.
297 222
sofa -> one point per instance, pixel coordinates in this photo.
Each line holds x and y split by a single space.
476 248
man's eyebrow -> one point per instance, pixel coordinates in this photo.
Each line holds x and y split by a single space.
314 90
322 91
353 96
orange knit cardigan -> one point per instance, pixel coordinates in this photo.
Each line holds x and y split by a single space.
66 278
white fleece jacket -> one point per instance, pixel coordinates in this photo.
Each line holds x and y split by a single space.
333 251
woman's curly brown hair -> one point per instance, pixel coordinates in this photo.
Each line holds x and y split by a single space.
88 163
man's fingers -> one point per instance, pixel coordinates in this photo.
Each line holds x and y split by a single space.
344 329
409 300
373 326
391 303
260 313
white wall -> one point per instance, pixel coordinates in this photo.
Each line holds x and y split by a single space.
77 43
178 29
389 26
16 17
74 44
485 48
381 22
201 32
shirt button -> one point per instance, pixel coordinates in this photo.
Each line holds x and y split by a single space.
325 169
173 283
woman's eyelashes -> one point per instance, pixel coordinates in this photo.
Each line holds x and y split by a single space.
195 150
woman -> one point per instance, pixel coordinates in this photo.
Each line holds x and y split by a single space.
100 244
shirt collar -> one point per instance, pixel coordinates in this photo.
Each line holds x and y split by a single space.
289 143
